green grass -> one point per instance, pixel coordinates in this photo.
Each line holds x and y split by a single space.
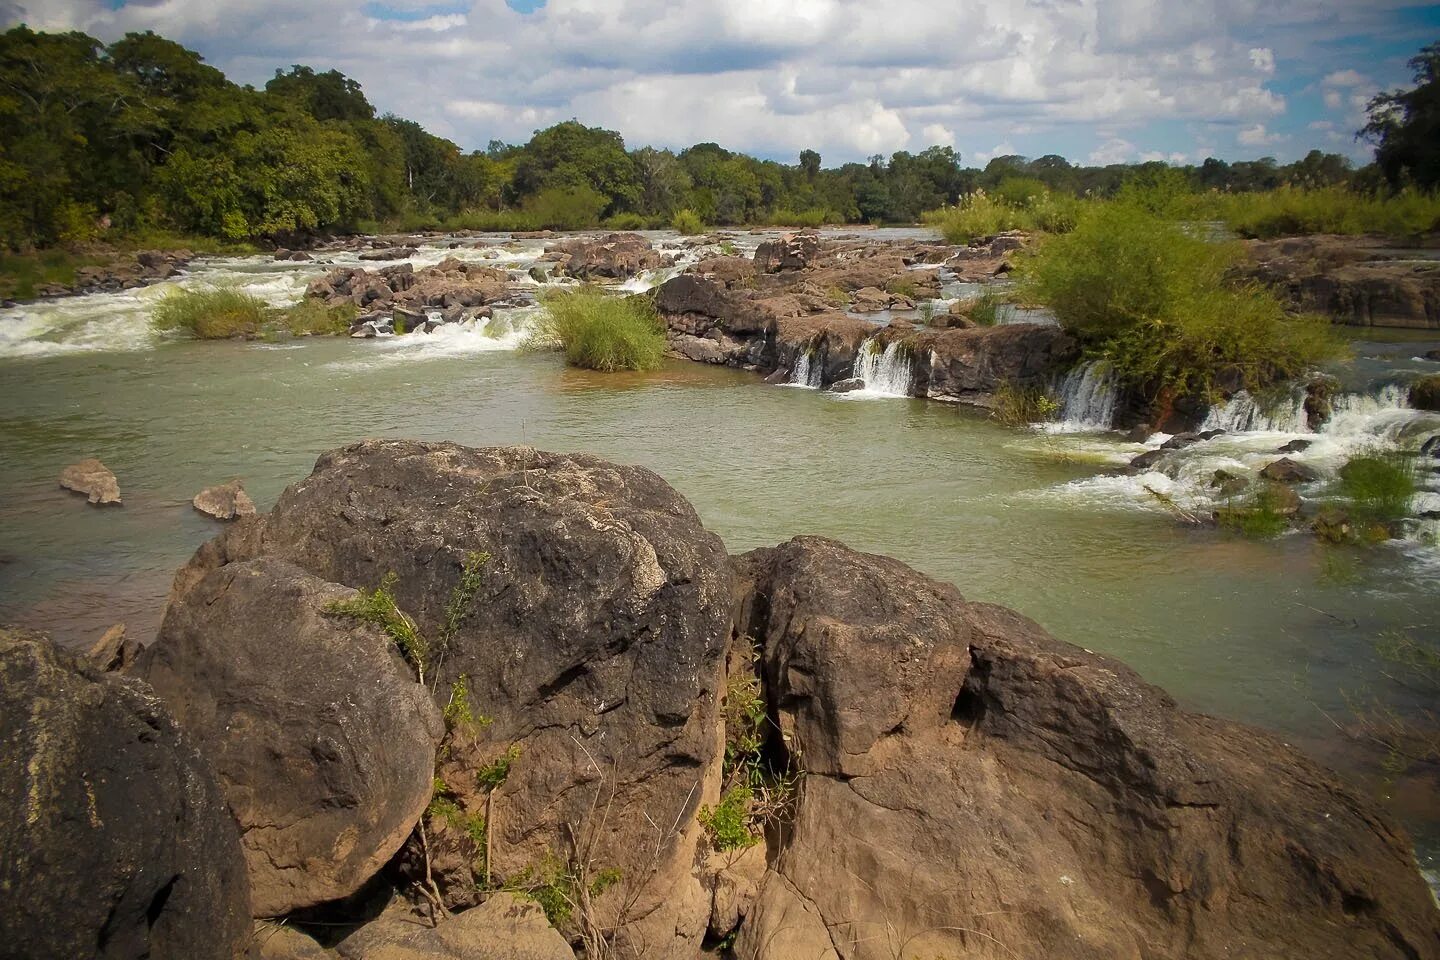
1259 516
1157 301
311 318
598 331
1017 406
977 215
212 313
1378 487
1292 210
687 223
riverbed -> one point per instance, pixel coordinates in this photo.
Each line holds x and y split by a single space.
1276 633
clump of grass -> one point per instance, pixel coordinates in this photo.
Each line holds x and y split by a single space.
379 608
1378 487
1260 516
903 286
978 214
1158 302
494 774
214 313
687 223
728 248
598 331
984 309
1017 406
311 318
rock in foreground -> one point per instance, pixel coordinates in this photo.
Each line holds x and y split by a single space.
115 841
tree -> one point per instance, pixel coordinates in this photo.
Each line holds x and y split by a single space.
810 163
1405 126
571 155
327 96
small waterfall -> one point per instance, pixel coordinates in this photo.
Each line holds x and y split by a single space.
1088 395
1378 414
889 373
1243 414
807 372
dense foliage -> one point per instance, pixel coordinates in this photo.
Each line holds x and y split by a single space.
1157 300
1405 126
598 331
141 135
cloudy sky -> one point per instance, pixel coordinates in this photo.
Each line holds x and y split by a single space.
1098 81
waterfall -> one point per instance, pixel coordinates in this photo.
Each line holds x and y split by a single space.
807 372
1088 395
887 373
1379 414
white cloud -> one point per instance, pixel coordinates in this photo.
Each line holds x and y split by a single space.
1263 59
1344 78
1256 135
1002 149
938 135
1321 125
1111 151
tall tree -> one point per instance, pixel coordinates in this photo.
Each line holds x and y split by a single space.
1405 126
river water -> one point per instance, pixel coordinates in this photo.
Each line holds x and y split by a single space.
1280 634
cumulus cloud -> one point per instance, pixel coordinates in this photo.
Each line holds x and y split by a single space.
846 77
1256 135
1111 151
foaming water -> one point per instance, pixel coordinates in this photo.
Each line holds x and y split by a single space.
807 372
1088 395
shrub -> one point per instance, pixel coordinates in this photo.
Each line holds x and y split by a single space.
1155 300
1017 406
1378 486
379 608
627 221
977 215
573 208
215 313
1019 191
813 217
728 822
687 223
598 331
311 318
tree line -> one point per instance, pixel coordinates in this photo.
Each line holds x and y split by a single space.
142 135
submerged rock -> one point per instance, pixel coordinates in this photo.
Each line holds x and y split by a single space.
94 479
225 501
1295 446
115 841
847 386
322 739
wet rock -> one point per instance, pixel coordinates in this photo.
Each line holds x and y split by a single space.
1227 484
1431 447
702 349
1349 279
1425 393
225 501
539 275
114 651
951 321
323 741
393 253
964 365
1333 525
116 840
793 251
92 478
369 329
406 318
1432 355
1319 401
958 761
506 926
847 386
870 300
1147 460
1138 434
1295 446
1180 441
1286 470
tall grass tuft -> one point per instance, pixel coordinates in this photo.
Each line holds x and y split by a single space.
214 313
978 214
687 223
1380 486
598 331
1157 301
1292 210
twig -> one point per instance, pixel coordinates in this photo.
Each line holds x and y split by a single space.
1170 504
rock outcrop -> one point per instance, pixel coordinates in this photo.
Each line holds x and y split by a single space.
793 251
1350 279
973 787
114 837
94 480
322 739
615 256
504 927
595 643
448 284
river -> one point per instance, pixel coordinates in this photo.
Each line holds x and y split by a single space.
1277 633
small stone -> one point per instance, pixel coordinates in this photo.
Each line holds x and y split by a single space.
847 386
1286 470
92 478
225 501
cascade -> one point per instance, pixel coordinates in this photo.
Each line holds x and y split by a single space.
889 372
1088 395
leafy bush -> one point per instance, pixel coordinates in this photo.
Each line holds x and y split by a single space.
215 313
598 331
494 774
812 217
1378 486
627 221
687 223
977 215
1019 191
728 822
1156 301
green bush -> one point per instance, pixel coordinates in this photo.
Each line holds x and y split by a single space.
728 822
1378 486
599 331
1155 300
214 313
1019 191
977 215
687 223
627 221
812 217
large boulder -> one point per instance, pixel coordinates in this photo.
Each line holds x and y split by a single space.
322 738
1351 279
615 256
114 837
973 787
967 364
793 251
594 640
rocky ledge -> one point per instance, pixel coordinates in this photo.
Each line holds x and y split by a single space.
1354 280
545 700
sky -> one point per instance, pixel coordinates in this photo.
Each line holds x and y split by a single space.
1096 81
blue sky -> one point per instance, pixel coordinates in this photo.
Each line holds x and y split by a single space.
1094 80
